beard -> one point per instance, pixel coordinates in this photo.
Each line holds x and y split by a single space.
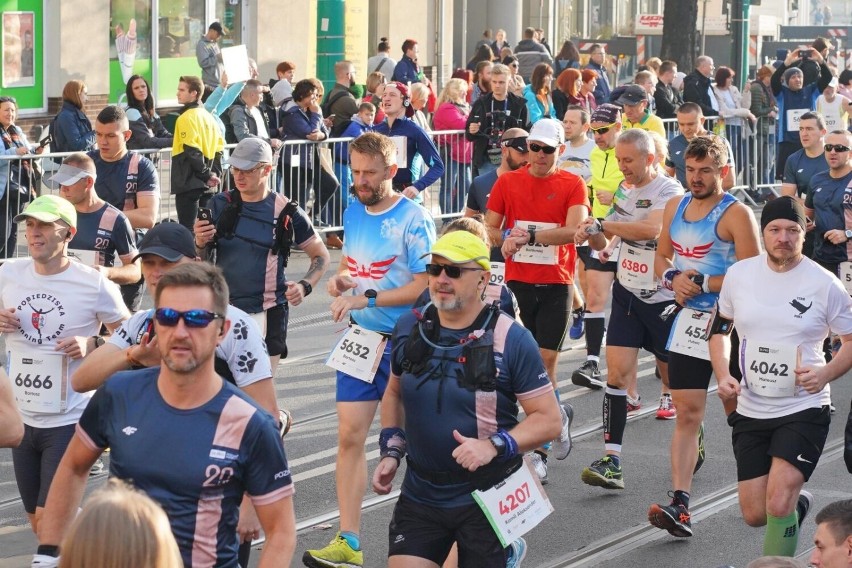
377 193
448 305
513 165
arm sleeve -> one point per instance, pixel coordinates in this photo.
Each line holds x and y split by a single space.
775 81
267 475
148 179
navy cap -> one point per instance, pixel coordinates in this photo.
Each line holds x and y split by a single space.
168 240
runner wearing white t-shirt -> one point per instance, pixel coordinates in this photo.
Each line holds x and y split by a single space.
783 306
51 311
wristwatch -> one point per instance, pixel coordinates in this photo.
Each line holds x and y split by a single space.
307 286
531 231
848 234
371 298
499 444
98 340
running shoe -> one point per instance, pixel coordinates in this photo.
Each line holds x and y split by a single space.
338 554
539 463
588 375
806 501
701 450
285 420
604 473
562 445
98 467
518 551
578 326
667 410
674 518
633 405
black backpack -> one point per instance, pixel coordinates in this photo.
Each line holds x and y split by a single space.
226 224
338 129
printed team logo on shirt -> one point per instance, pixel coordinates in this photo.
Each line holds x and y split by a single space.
643 203
44 328
374 271
798 304
699 251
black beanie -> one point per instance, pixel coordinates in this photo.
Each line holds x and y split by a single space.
783 208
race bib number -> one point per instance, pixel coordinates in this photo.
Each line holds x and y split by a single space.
636 267
358 353
38 381
87 257
794 115
537 253
690 333
498 273
516 505
845 269
401 143
769 367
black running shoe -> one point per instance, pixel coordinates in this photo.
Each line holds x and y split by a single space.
806 501
588 376
674 518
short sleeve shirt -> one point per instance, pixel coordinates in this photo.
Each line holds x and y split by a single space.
831 200
119 187
800 169
106 231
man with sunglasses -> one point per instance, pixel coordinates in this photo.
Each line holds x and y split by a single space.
599 272
51 313
534 212
432 410
227 446
829 203
690 122
381 275
638 300
251 230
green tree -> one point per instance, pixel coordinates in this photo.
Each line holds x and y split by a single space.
679 33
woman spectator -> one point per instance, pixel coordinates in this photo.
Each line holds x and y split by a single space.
499 42
408 70
120 528
764 106
587 89
146 128
516 82
456 151
281 90
567 58
483 53
538 93
732 112
419 98
302 167
467 76
376 82
71 129
16 176
567 91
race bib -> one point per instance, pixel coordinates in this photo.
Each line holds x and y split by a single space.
498 273
845 269
358 353
769 368
516 505
636 267
38 381
690 333
87 257
794 115
401 143
537 253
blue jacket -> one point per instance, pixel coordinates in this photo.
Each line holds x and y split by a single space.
603 89
297 124
418 142
5 164
789 100
534 106
72 131
407 71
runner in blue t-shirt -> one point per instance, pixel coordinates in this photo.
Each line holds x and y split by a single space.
381 273
226 445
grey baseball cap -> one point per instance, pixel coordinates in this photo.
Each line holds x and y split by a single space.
250 152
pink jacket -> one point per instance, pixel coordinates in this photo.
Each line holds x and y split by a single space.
450 117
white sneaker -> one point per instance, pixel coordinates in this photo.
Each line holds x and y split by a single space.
562 445
540 465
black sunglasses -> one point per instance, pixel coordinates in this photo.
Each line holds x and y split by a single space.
836 148
452 270
546 149
192 318
519 144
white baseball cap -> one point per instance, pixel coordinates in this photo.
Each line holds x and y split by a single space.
548 131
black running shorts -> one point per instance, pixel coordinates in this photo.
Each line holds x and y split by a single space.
545 311
796 438
429 532
36 461
585 254
633 323
686 372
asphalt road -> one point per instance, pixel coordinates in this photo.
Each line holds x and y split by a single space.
590 526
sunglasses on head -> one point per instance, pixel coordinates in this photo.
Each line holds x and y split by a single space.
836 148
519 144
451 270
538 148
192 318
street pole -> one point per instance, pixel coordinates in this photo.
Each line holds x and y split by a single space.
740 10
703 27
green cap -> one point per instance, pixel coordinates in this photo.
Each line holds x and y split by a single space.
460 246
49 209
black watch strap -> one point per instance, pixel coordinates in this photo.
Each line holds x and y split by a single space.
307 286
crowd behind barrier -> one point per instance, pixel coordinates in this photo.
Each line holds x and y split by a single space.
756 175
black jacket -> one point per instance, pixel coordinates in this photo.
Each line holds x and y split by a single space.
481 112
667 100
696 89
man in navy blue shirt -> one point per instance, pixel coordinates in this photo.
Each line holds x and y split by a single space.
597 55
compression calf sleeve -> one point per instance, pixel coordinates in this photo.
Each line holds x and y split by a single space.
782 535
614 417
595 328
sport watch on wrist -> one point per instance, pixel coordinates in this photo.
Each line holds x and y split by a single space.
531 231
499 444
371 298
848 234
307 286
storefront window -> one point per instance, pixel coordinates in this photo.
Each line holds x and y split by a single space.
129 43
229 13
182 24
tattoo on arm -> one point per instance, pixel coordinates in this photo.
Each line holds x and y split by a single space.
317 266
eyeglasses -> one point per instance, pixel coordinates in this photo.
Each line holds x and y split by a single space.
236 171
546 149
452 270
836 148
192 318
603 129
